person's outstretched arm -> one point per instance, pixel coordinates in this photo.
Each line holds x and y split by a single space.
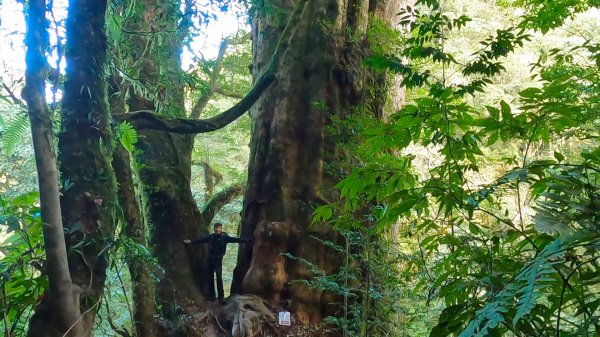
199 241
233 239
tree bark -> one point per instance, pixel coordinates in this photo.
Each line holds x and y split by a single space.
320 76
59 313
88 185
166 158
85 153
143 287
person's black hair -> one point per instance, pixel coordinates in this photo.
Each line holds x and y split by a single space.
217 224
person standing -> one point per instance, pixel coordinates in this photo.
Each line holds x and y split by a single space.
217 245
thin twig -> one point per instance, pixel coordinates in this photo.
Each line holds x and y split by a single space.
125 293
218 323
81 317
12 95
562 294
5 311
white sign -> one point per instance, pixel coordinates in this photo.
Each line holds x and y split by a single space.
285 318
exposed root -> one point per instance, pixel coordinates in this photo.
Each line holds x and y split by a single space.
241 316
250 316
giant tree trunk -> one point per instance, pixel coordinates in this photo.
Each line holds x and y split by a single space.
321 76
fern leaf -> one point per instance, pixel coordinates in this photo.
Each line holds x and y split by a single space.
127 135
529 284
14 131
490 316
529 293
535 277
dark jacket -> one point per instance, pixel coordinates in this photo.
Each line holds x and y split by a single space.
217 243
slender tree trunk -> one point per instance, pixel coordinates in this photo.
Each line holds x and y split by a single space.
143 287
321 76
59 312
139 268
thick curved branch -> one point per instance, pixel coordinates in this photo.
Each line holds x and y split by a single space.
148 120
220 199
226 93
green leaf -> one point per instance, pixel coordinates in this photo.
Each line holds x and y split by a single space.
530 93
559 156
127 135
506 112
474 229
14 132
322 213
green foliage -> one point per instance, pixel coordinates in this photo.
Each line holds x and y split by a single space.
22 260
544 16
498 197
127 135
368 289
13 131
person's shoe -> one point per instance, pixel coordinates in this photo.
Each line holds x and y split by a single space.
210 300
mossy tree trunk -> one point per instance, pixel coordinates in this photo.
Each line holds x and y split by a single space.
165 170
85 152
165 158
140 269
321 76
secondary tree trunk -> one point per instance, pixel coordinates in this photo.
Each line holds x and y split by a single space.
165 159
88 194
143 287
292 160
85 153
59 313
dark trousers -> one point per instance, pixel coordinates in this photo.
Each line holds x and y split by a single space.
215 266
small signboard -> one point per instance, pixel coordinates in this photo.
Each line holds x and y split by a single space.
285 318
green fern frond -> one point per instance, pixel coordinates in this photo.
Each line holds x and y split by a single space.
127 135
527 286
490 316
536 276
530 293
13 133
